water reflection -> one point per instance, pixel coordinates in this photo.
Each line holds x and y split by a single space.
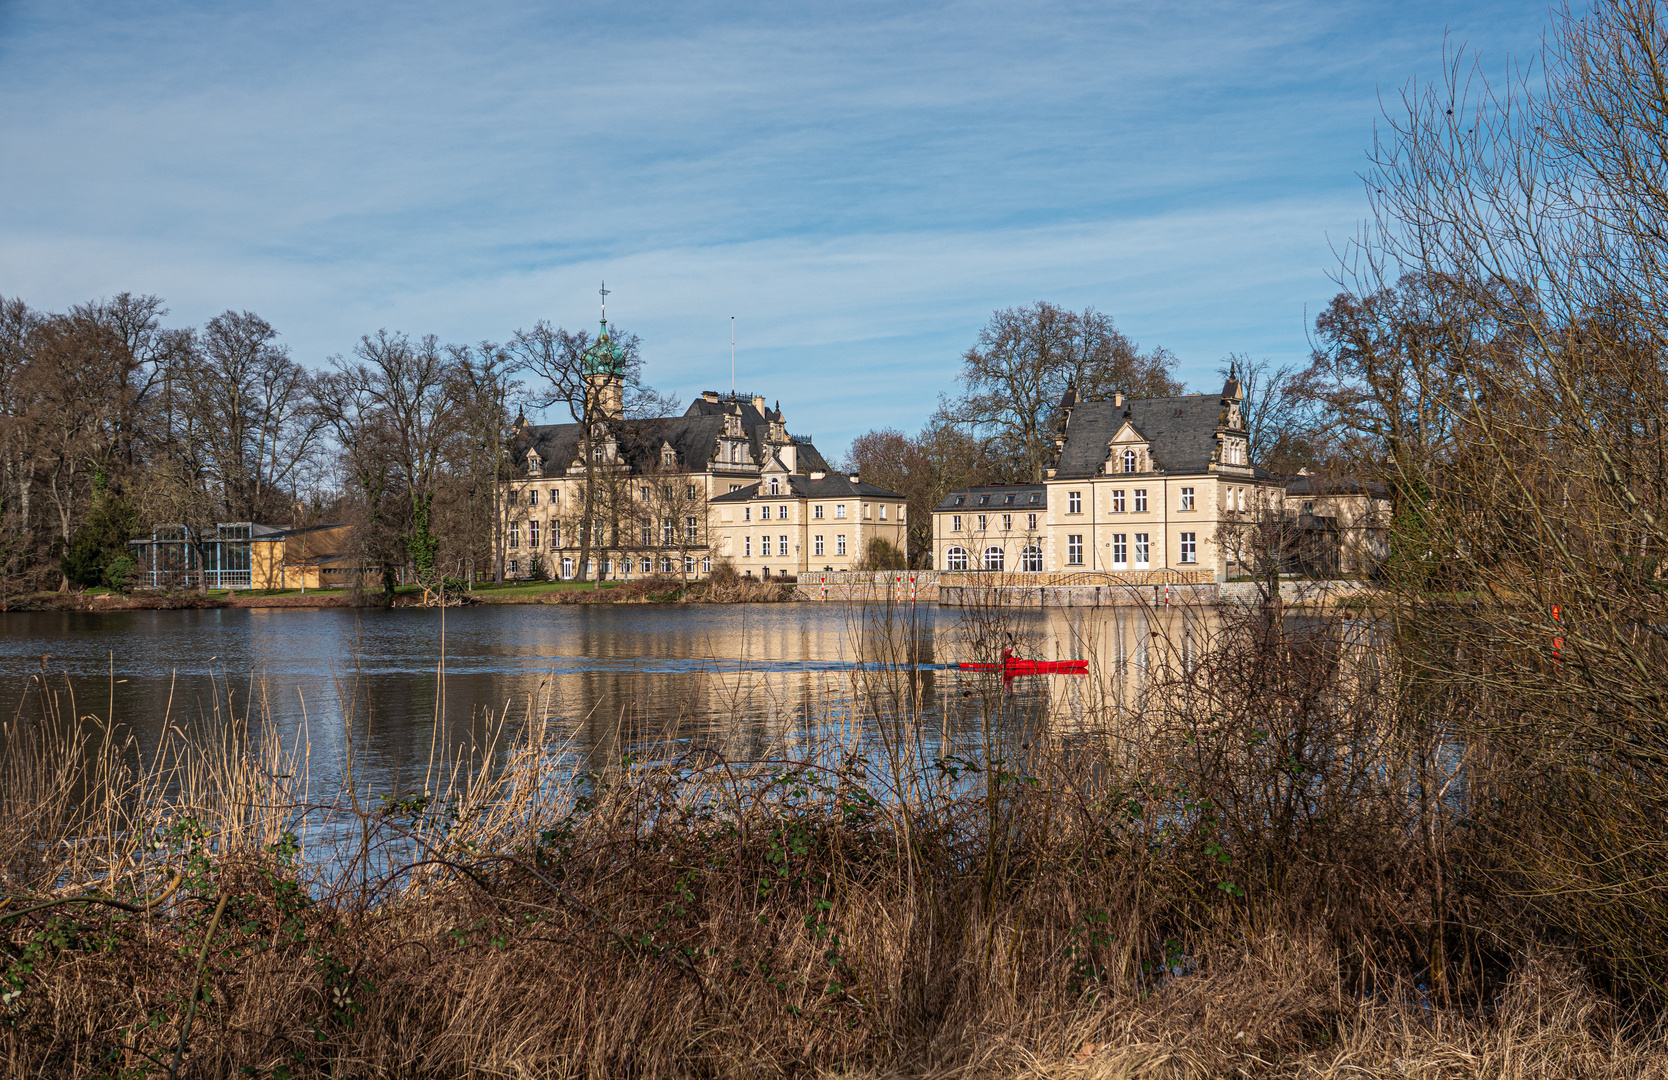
747 681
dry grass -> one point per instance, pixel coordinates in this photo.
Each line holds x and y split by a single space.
1180 890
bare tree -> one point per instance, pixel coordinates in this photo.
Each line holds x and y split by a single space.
485 383
252 408
1014 377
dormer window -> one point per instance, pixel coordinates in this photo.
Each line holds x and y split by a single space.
960 500
1035 498
667 457
984 500
1129 461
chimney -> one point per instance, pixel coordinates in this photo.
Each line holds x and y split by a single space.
817 474
710 396
854 478
1118 400
758 403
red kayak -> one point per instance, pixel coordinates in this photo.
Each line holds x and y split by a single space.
1013 665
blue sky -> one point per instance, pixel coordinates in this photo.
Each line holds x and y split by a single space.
860 184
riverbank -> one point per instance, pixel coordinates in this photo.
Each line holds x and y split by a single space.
1067 908
638 591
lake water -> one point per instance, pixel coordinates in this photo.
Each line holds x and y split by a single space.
746 680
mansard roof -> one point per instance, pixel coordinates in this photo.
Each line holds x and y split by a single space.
694 436
1180 432
995 497
803 486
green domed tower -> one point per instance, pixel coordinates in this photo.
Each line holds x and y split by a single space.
605 371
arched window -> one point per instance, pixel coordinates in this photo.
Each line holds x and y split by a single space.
775 486
1129 461
955 559
1030 560
993 558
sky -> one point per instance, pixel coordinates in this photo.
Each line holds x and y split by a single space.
860 185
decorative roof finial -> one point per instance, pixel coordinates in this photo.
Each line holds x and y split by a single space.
604 291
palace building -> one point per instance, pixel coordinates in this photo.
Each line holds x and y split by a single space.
1140 484
668 495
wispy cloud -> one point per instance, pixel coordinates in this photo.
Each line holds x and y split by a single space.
860 184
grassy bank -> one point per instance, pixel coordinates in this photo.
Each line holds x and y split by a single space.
1232 874
634 591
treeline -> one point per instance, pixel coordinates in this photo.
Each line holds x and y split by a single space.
1000 424
111 421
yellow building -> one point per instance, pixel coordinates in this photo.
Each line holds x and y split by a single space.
789 523
1140 484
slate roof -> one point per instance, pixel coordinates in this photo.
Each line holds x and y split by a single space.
1336 485
998 495
694 437
831 486
1180 432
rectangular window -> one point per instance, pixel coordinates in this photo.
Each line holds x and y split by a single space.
983 524
817 512
689 564
781 513
868 511
515 567
955 523
647 565
555 497
1074 502
643 493
1074 549
840 543
1140 500
1007 523
1189 547
883 511
1187 498
1031 522
648 535
781 545
818 545
555 533
668 530
1143 551
691 529
532 496
567 569
689 492
1118 501
1120 551
532 534
764 512
747 546
839 510
747 513
515 535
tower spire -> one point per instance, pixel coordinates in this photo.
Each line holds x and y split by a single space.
604 291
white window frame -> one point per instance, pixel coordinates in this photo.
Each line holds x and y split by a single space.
1074 502
1120 551
1187 498
1118 501
839 543
1189 547
1074 549
1031 559
994 554
1143 552
955 558
1140 500
817 544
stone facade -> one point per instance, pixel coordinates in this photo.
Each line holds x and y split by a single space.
793 523
654 482
1140 484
